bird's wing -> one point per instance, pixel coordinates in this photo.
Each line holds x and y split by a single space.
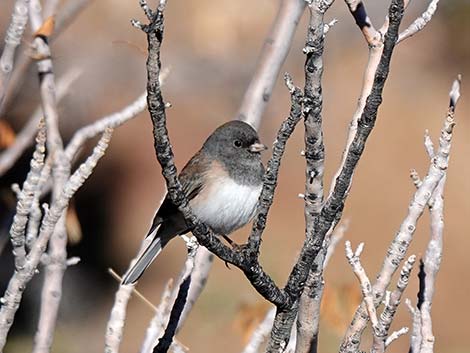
192 182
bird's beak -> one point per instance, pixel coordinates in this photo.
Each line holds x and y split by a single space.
257 147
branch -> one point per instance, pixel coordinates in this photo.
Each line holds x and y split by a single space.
274 52
13 294
166 340
415 339
261 333
111 121
26 198
64 18
253 271
115 325
57 253
202 266
394 298
378 332
19 19
420 22
25 138
433 255
403 238
308 318
272 170
157 324
359 13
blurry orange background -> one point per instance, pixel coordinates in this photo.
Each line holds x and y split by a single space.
212 48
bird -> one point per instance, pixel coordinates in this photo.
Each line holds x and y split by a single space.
222 183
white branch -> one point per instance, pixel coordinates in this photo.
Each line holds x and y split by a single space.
13 294
19 19
420 22
379 334
26 199
261 333
395 335
115 325
25 138
274 52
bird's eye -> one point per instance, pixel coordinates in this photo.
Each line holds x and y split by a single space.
237 143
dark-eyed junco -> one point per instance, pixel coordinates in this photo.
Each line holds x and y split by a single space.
222 182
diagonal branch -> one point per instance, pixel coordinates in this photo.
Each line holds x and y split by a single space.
420 22
19 19
274 52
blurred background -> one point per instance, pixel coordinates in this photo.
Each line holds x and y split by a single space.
212 48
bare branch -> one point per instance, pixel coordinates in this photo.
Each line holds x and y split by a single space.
261 333
13 294
394 298
166 340
308 317
358 11
395 335
403 238
25 138
379 333
158 321
274 52
415 339
272 170
420 22
117 318
433 255
26 198
70 10
202 266
19 19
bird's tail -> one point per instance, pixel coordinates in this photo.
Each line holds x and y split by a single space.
150 250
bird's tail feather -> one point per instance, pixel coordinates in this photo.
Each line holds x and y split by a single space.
146 256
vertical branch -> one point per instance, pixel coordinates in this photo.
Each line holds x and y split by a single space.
274 52
433 255
202 265
55 268
166 340
266 197
26 199
117 318
308 319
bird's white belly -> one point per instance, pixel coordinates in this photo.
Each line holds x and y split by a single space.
226 206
